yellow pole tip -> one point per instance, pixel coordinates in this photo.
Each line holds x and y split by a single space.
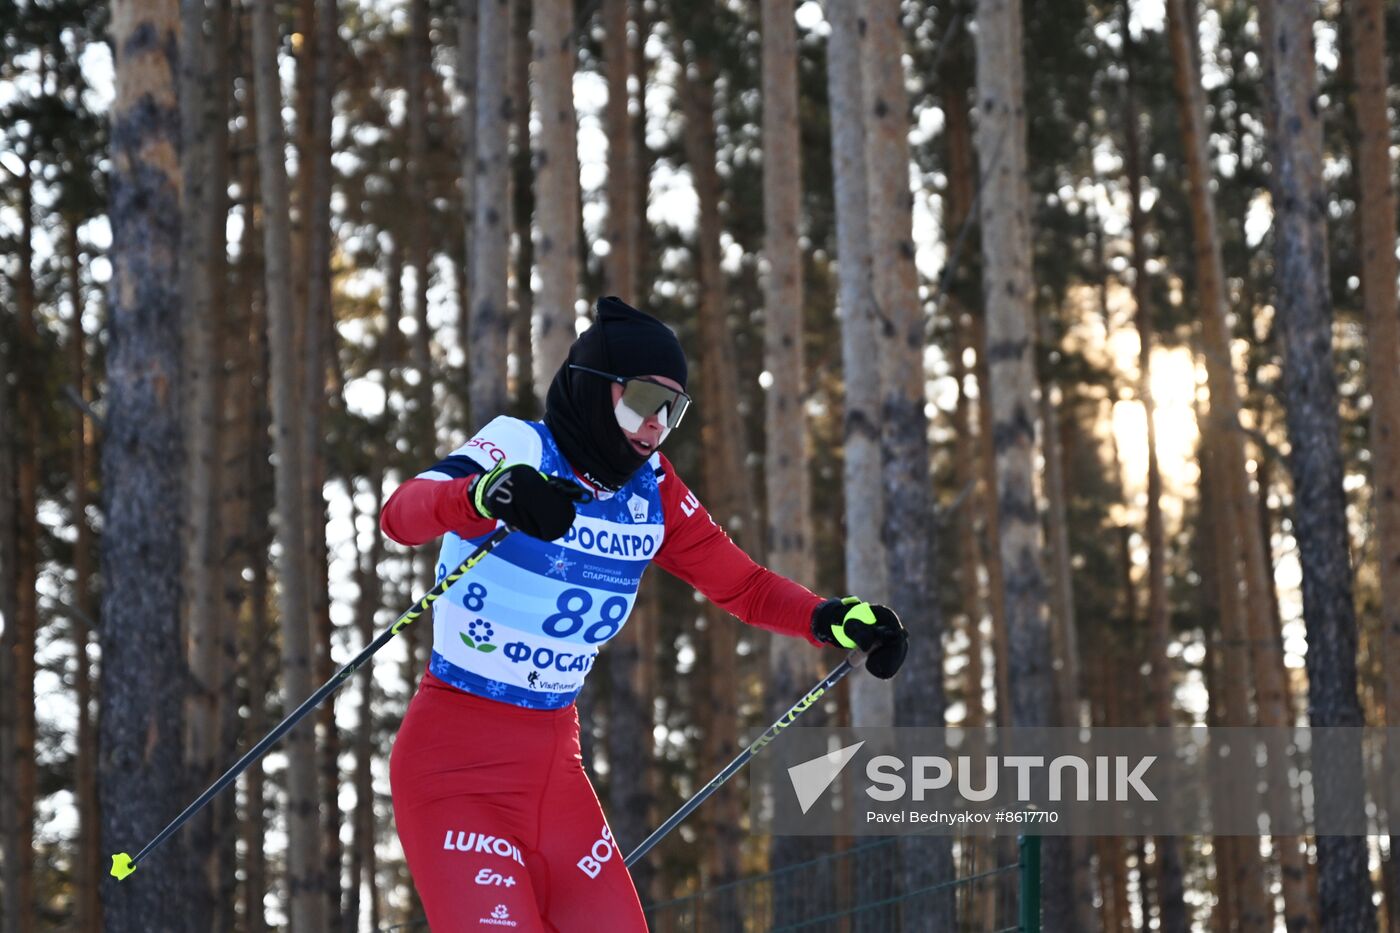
121 866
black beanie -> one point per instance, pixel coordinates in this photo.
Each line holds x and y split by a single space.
578 408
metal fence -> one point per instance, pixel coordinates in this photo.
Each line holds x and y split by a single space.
874 887
864 889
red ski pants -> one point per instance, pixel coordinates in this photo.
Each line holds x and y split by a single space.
500 825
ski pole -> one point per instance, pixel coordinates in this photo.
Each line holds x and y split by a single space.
853 660
124 864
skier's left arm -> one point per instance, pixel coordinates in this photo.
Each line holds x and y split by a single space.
698 551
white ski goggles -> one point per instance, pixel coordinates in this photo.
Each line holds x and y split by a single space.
643 398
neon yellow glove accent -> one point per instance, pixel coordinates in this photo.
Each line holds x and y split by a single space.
859 611
121 866
481 486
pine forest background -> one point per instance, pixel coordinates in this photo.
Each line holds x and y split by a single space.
1067 328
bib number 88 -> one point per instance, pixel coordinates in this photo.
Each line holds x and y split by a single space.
573 604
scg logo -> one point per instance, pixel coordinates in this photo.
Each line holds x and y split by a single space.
491 450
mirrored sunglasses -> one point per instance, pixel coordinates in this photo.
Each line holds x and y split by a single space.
642 398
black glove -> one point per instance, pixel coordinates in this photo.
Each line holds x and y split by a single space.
524 498
874 629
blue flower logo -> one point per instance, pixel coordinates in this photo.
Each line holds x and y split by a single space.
478 635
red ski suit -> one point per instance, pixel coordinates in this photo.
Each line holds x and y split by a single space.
498 820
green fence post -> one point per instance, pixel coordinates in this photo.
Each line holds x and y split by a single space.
1030 884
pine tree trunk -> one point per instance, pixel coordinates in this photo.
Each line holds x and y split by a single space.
791 663
24 759
962 183
522 199
1104 711
1274 709
305 865
645 157
1390 874
467 20
1170 883
959 202
489 325
1205 556
9 601
730 502
910 529
1071 438
231 365
912 557
142 725
1378 274
1242 617
246 486
628 736
1063 634
555 59
255 884
789 524
204 166
1310 391
988 544
88 869
363 863
391 352
1243 543
980 908
9 642
1246 883
1297 874
416 64
1007 287
318 349
419 75
872 700
235 412
1068 887
304 53
632 654
989 549
631 790
721 464
363 860
623 227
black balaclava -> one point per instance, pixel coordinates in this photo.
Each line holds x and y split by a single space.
578 409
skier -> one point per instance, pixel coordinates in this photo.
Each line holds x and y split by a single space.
498 820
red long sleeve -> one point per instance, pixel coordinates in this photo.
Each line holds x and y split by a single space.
423 509
699 552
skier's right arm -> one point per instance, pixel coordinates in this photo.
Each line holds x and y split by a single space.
439 499
435 502
461 494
